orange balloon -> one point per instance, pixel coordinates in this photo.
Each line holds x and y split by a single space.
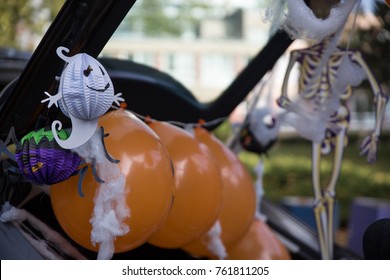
198 188
259 243
146 165
239 200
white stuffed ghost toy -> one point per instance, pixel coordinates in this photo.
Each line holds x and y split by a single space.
85 93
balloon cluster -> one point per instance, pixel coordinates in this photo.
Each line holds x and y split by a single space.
182 186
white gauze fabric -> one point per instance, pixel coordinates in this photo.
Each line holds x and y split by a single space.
310 120
214 243
110 209
302 23
259 190
349 73
299 21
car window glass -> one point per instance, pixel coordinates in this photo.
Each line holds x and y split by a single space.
202 44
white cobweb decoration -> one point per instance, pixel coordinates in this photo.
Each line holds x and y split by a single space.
310 120
300 22
214 242
349 73
259 190
276 14
110 209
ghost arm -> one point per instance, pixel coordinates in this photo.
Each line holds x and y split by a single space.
118 99
369 145
283 101
52 99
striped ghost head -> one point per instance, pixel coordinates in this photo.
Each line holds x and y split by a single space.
87 90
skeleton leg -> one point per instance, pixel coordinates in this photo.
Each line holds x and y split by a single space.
330 190
319 207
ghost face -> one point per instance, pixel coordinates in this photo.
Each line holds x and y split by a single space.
87 90
87 72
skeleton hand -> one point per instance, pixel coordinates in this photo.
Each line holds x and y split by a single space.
283 102
369 147
118 99
53 99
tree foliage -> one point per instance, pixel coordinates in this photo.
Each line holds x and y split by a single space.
13 15
374 44
22 18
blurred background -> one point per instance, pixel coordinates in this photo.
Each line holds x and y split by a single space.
204 44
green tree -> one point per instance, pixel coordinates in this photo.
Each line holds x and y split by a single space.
25 16
13 14
53 7
374 44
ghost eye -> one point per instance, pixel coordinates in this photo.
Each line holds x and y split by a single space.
101 70
269 121
88 71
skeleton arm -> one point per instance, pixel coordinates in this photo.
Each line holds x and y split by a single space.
283 101
369 144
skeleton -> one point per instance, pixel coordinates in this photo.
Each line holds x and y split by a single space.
325 83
